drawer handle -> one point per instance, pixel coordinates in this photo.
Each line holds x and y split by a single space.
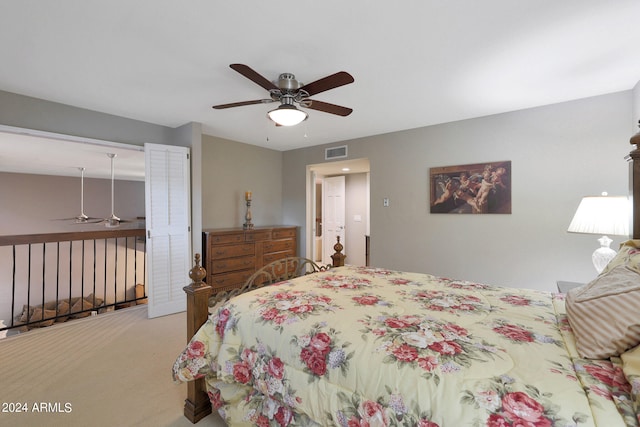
221 252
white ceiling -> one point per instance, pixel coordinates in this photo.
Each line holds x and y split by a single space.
415 62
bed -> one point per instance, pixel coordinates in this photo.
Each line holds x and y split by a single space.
364 346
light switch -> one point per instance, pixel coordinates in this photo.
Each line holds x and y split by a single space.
357 218
385 202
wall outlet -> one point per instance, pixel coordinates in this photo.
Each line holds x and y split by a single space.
385 202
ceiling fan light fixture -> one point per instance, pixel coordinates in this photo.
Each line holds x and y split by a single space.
287 115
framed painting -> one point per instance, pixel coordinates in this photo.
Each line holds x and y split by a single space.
480 188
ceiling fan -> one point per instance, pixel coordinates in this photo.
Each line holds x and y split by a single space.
82 218
289 91
113 220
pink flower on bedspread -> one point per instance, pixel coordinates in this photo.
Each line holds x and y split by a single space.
400 281
320 352
275 368
338 282
405 353
428 363
321 343
454 302
242 372
262 421
450 348
366 300
196 349
610 375
315 361
402 322
524 411
516 300
373 414
223 318
216 399
283 416
285 307
496 420
427 423
514 333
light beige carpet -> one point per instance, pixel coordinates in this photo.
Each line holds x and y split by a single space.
109 370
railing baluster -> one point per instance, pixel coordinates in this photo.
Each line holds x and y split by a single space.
57 277
13 287
53 276
94 274
105 268
44 257
29 284
126 267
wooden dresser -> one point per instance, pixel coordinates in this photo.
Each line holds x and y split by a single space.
231 255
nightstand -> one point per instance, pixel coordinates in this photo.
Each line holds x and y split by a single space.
563 287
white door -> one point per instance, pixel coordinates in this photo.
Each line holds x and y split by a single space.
168 223
333 190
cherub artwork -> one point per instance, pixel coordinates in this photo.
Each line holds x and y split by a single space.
482 188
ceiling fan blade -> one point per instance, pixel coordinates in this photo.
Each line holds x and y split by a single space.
240 104
338 79
252 75
327 108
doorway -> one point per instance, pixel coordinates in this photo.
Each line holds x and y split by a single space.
354 226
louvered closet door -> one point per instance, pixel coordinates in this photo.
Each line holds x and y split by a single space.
167 202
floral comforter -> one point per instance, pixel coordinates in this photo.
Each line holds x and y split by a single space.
360 346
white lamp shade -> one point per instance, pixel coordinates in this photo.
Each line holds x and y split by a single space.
287 115
606 215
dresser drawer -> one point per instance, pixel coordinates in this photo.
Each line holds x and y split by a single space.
226 238
278 245
257 236
283 233
229 280
230 251
231 264
274 256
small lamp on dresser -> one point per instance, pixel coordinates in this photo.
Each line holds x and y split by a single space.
604 215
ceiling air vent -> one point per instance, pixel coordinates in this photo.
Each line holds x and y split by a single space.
335 153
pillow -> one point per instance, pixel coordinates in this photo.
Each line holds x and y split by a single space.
63 308
604 313
27 313
80 305
37 315
628 254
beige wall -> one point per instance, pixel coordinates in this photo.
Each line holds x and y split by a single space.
30 204
228 170
356 196
559 154
635 116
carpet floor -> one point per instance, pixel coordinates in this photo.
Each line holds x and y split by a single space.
108 370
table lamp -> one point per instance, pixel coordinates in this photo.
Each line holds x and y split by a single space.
605 215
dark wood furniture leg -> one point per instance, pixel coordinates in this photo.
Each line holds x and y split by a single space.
197 404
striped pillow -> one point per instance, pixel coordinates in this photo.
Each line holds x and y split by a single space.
604 313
